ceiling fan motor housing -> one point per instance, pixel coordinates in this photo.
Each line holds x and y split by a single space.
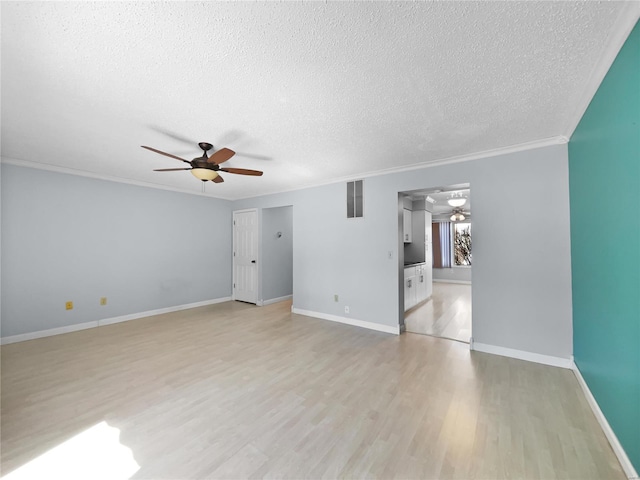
201 162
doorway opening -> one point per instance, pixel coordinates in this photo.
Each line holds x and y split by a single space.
437 261
263 255
276 280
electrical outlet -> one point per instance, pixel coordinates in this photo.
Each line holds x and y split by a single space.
335 298
346 309
103 300
68 305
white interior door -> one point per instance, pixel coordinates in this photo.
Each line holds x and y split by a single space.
245 255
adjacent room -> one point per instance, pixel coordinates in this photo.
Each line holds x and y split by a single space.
438 258
320 240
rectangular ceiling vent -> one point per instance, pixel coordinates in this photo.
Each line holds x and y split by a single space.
354 199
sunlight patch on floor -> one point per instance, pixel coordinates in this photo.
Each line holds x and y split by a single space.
95 453
446 315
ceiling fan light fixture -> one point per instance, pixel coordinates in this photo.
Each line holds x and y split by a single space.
457 201
204 173
457 217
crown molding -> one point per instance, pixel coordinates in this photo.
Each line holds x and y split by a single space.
625 23
99 176
520 147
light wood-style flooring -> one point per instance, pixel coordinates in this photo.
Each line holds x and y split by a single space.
237 391
447 314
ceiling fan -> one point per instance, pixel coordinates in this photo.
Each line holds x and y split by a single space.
206 168
458 215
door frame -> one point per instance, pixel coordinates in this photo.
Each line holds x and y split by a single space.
233 250
400 239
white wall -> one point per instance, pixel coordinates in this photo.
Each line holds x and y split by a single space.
73 238
67 237
277 252
517 302
453 274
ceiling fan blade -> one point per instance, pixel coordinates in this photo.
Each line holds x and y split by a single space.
221 155
166 154
174 135
218 179
243 171
170 169
254 156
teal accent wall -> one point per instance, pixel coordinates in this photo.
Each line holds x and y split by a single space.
604 189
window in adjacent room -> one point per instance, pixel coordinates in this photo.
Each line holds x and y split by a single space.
462 244
451 244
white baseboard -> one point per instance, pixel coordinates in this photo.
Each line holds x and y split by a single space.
522 355
23 337
463 282
160 311
276 300
629 471
350 321
106 321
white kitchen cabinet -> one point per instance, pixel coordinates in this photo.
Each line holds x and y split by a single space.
410 297
406 226
428 281
421 284
417 285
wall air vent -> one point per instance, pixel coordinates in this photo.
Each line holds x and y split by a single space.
354 199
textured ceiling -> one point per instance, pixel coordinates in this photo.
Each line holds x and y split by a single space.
309 92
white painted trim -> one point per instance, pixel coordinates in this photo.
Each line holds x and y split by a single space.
160 311
23 337
522 355
629 471
463 282
245 210
545 142
276 300
629 15
395 330
108 178
106 321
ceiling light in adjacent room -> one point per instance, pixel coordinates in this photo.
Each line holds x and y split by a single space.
457 201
